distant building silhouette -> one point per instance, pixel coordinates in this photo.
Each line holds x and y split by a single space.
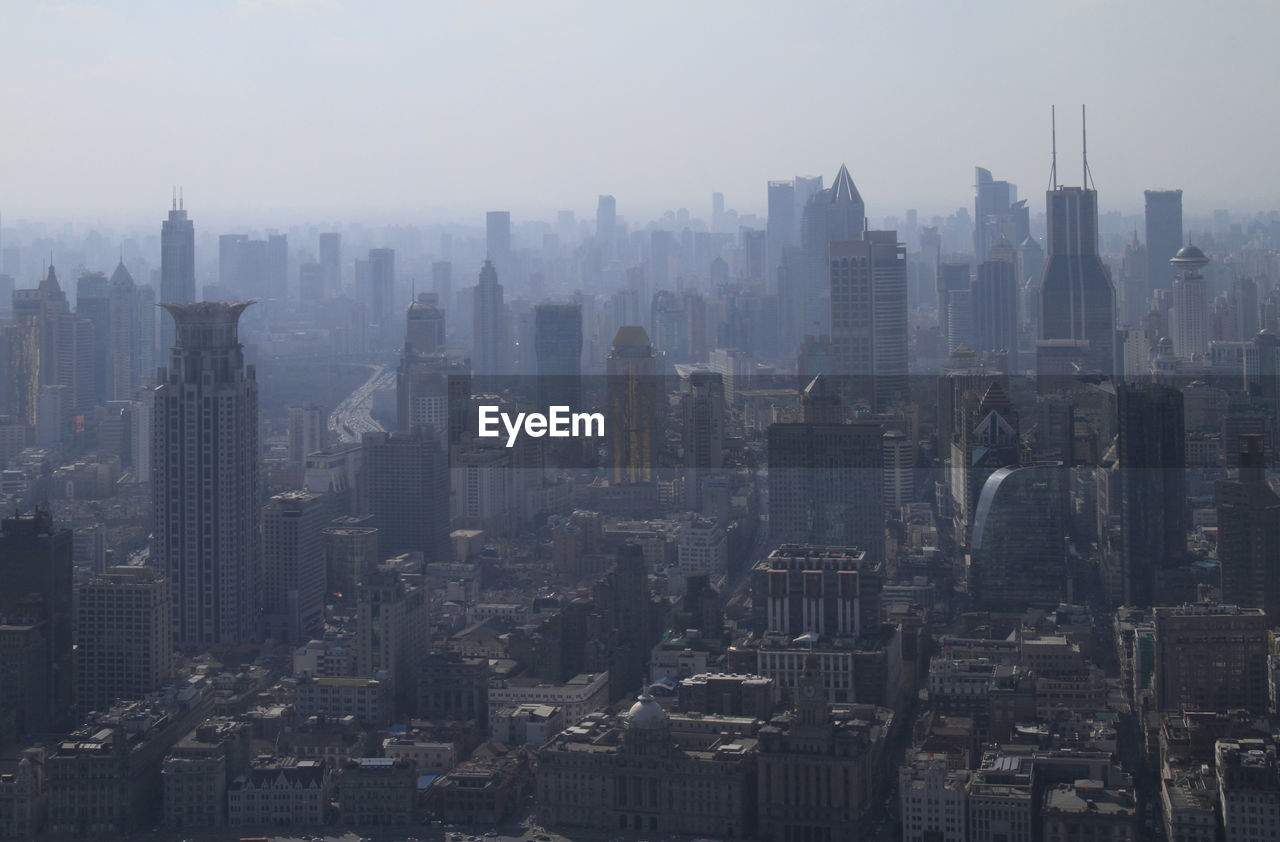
492 354
1164 236
1249 533
636 396
1077 299
177 266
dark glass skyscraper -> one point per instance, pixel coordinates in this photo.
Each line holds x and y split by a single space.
1077 299
558 343
1153 493
1164 235
1249 533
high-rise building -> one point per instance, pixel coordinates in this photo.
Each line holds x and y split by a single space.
997 214
123 335
782 230
382 288
825 477
1018 553
703 408
606 225
497 242
1211 658
124 636
93 305
310 282
837 214
424 325
392 622
1153 495
293 566
1164 236
492 346
407 485
331 263
36 679
1249 533
1189 321
204 470
39 316
558 342
636 394
1077 299
177 265
995 310
308 432
277 274
868 294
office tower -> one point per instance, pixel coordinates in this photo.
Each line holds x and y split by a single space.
293 566
492 353
407 485
1077 300
204 469
392 625
558 342
702 439
1164 236
432 391
959 320
124 636
1018 552
837 214
782 229
92 304
424 325
868 293
825 477
308 432
606 225
442 282
382 288
497 242
1211 658
123 336
36 680
984 434
717 212
1030 272
33 345
995 310
636 399
310 282
177 266
1190 316
331 263
350 554
1249 533
277 267
805 188
951 277
997 213
148 317
1153 496
75 358
898 486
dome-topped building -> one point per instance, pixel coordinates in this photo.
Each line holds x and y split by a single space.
647 714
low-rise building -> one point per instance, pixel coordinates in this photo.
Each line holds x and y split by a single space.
428 757
932 799
279 792
378 792
1088 810
367 699
527 724
577 697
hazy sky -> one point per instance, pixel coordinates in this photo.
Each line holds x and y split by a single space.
265 107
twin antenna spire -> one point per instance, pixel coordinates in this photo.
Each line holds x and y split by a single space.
177 198
1086 177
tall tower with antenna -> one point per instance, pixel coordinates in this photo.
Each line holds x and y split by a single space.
1077 297
177 265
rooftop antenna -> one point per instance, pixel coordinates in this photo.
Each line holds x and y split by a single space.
179 198
175 198
1087 177
1053 130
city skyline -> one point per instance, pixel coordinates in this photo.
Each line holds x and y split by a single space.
546 93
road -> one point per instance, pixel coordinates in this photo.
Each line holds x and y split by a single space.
351 419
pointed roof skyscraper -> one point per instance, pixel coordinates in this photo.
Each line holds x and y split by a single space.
843 188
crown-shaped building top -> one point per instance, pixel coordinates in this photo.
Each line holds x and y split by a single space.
843 188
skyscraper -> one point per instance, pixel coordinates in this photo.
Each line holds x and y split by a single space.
606 225
406 482
1018 552
995 309
1190 316
331 263
177 265
277 279
868 294
636 395
204 470
492 353
123 367
837 214
558 342
36 680
497 242
1164 236
293 566
92 303
996 213
1249 533
1153 496
1077 299
782 230
382 289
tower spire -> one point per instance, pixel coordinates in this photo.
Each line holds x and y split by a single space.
179 198
1086 177
175 198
